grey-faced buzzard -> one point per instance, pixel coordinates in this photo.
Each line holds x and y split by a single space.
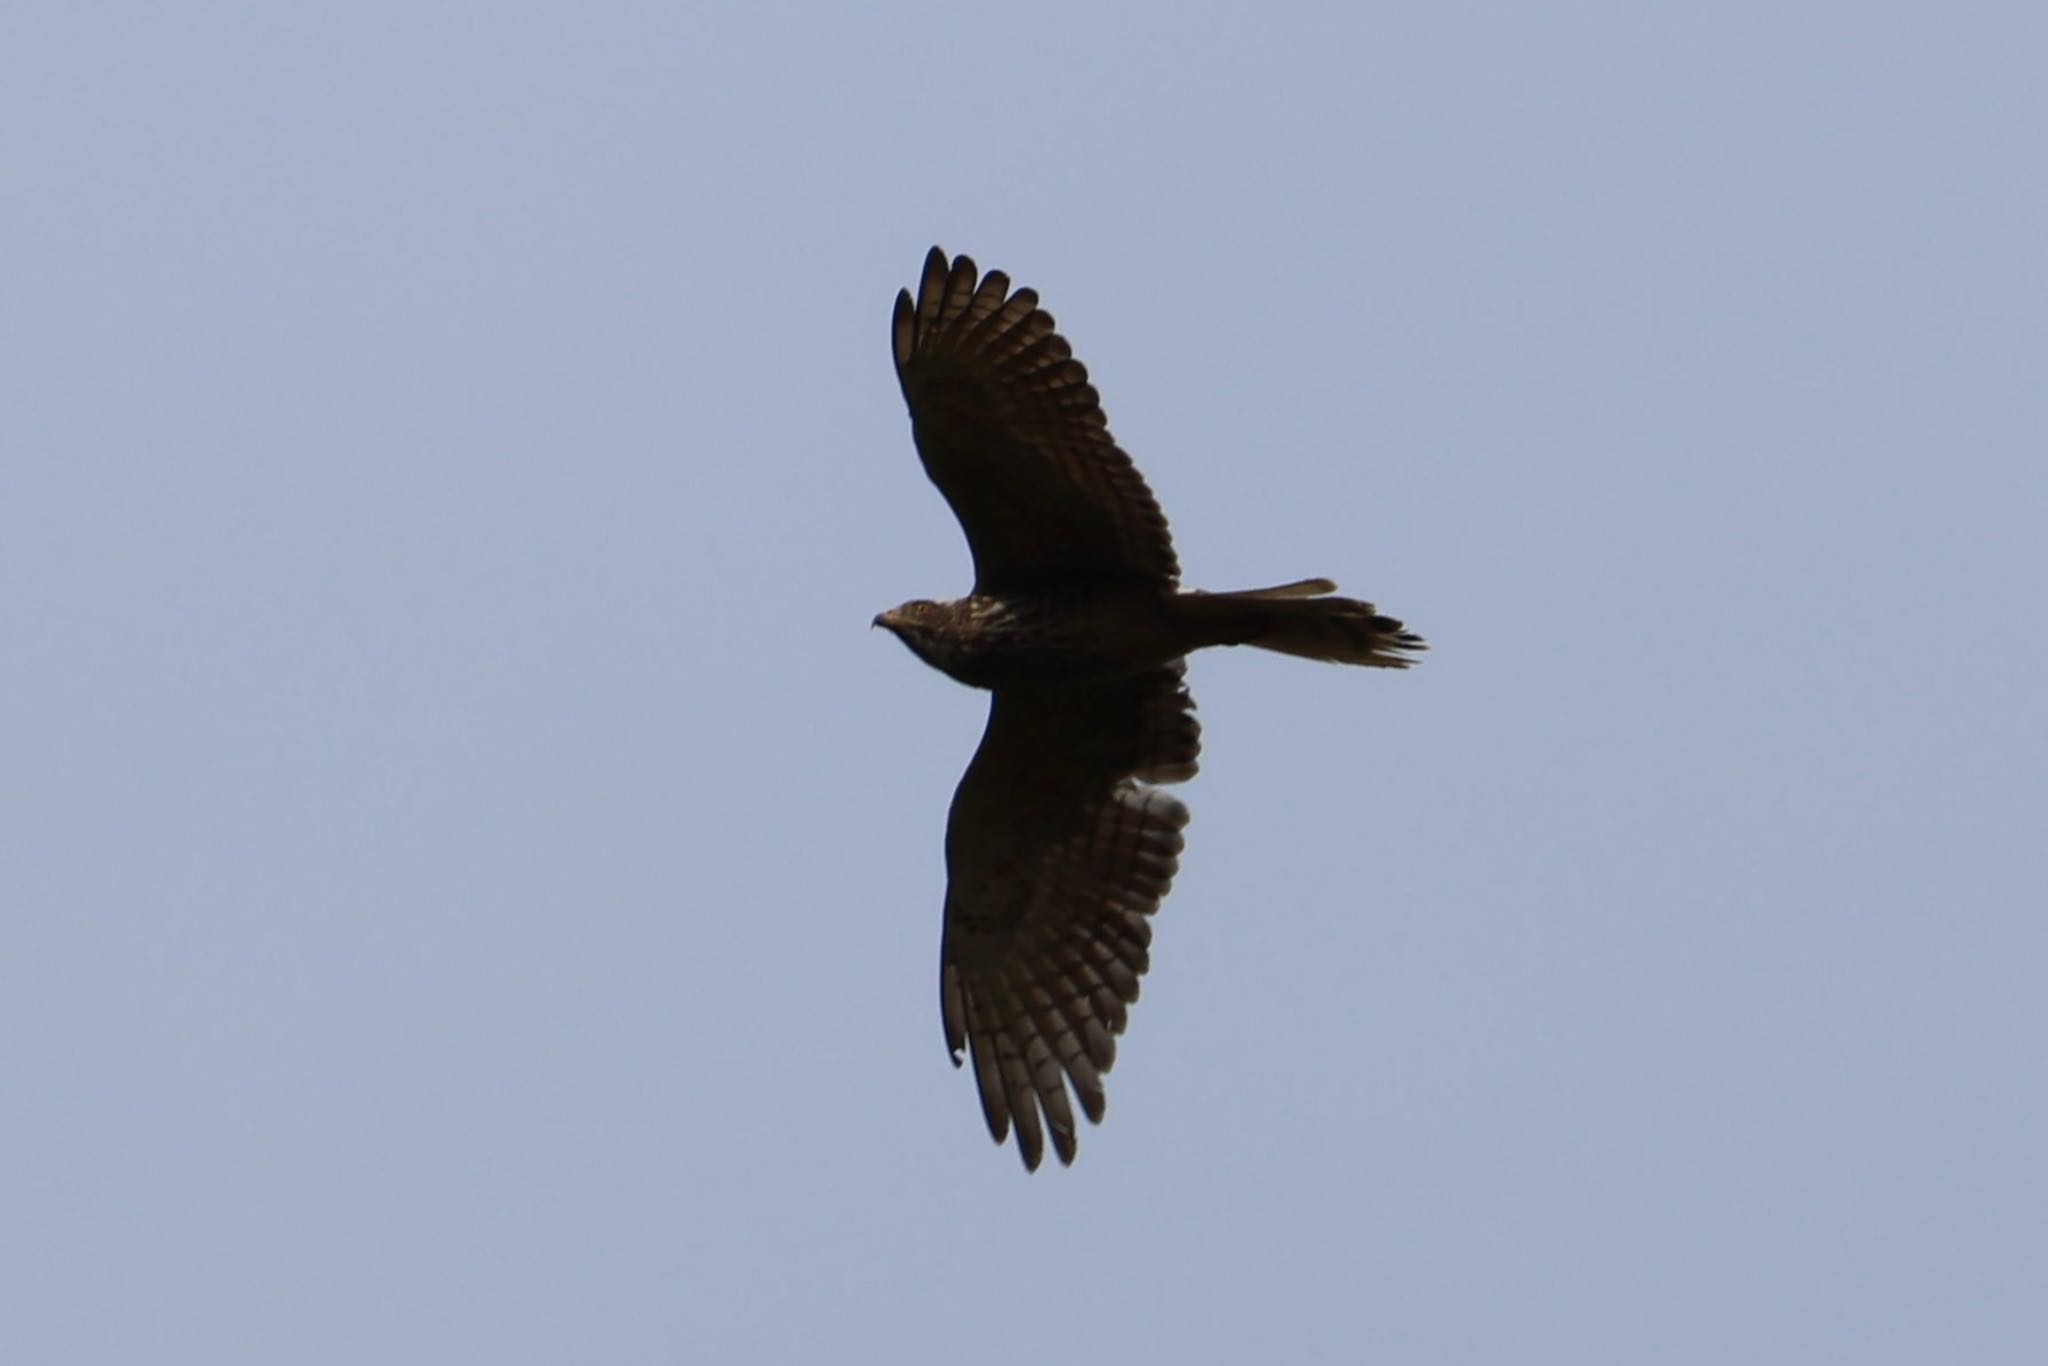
1061 841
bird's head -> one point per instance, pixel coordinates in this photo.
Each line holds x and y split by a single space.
920 624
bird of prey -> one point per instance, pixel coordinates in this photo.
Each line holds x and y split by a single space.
1061 841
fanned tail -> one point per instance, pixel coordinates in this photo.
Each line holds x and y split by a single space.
1301 619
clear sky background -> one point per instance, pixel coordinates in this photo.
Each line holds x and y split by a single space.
469 874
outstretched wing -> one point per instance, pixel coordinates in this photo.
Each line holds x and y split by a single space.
1057 852
1013 434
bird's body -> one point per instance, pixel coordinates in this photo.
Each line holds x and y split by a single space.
1061 843
1040 639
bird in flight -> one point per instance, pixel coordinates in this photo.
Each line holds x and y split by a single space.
1062 841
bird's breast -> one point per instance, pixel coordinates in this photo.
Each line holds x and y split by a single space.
1049 640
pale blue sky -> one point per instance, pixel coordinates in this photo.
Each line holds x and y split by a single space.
471 874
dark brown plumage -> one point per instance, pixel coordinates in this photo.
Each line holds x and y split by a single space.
1061 844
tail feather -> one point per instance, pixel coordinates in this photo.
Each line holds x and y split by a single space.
1300 588
1301 619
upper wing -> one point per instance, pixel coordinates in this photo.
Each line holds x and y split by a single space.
1057 851
1013 434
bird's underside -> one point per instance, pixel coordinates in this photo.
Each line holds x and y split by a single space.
1061 842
